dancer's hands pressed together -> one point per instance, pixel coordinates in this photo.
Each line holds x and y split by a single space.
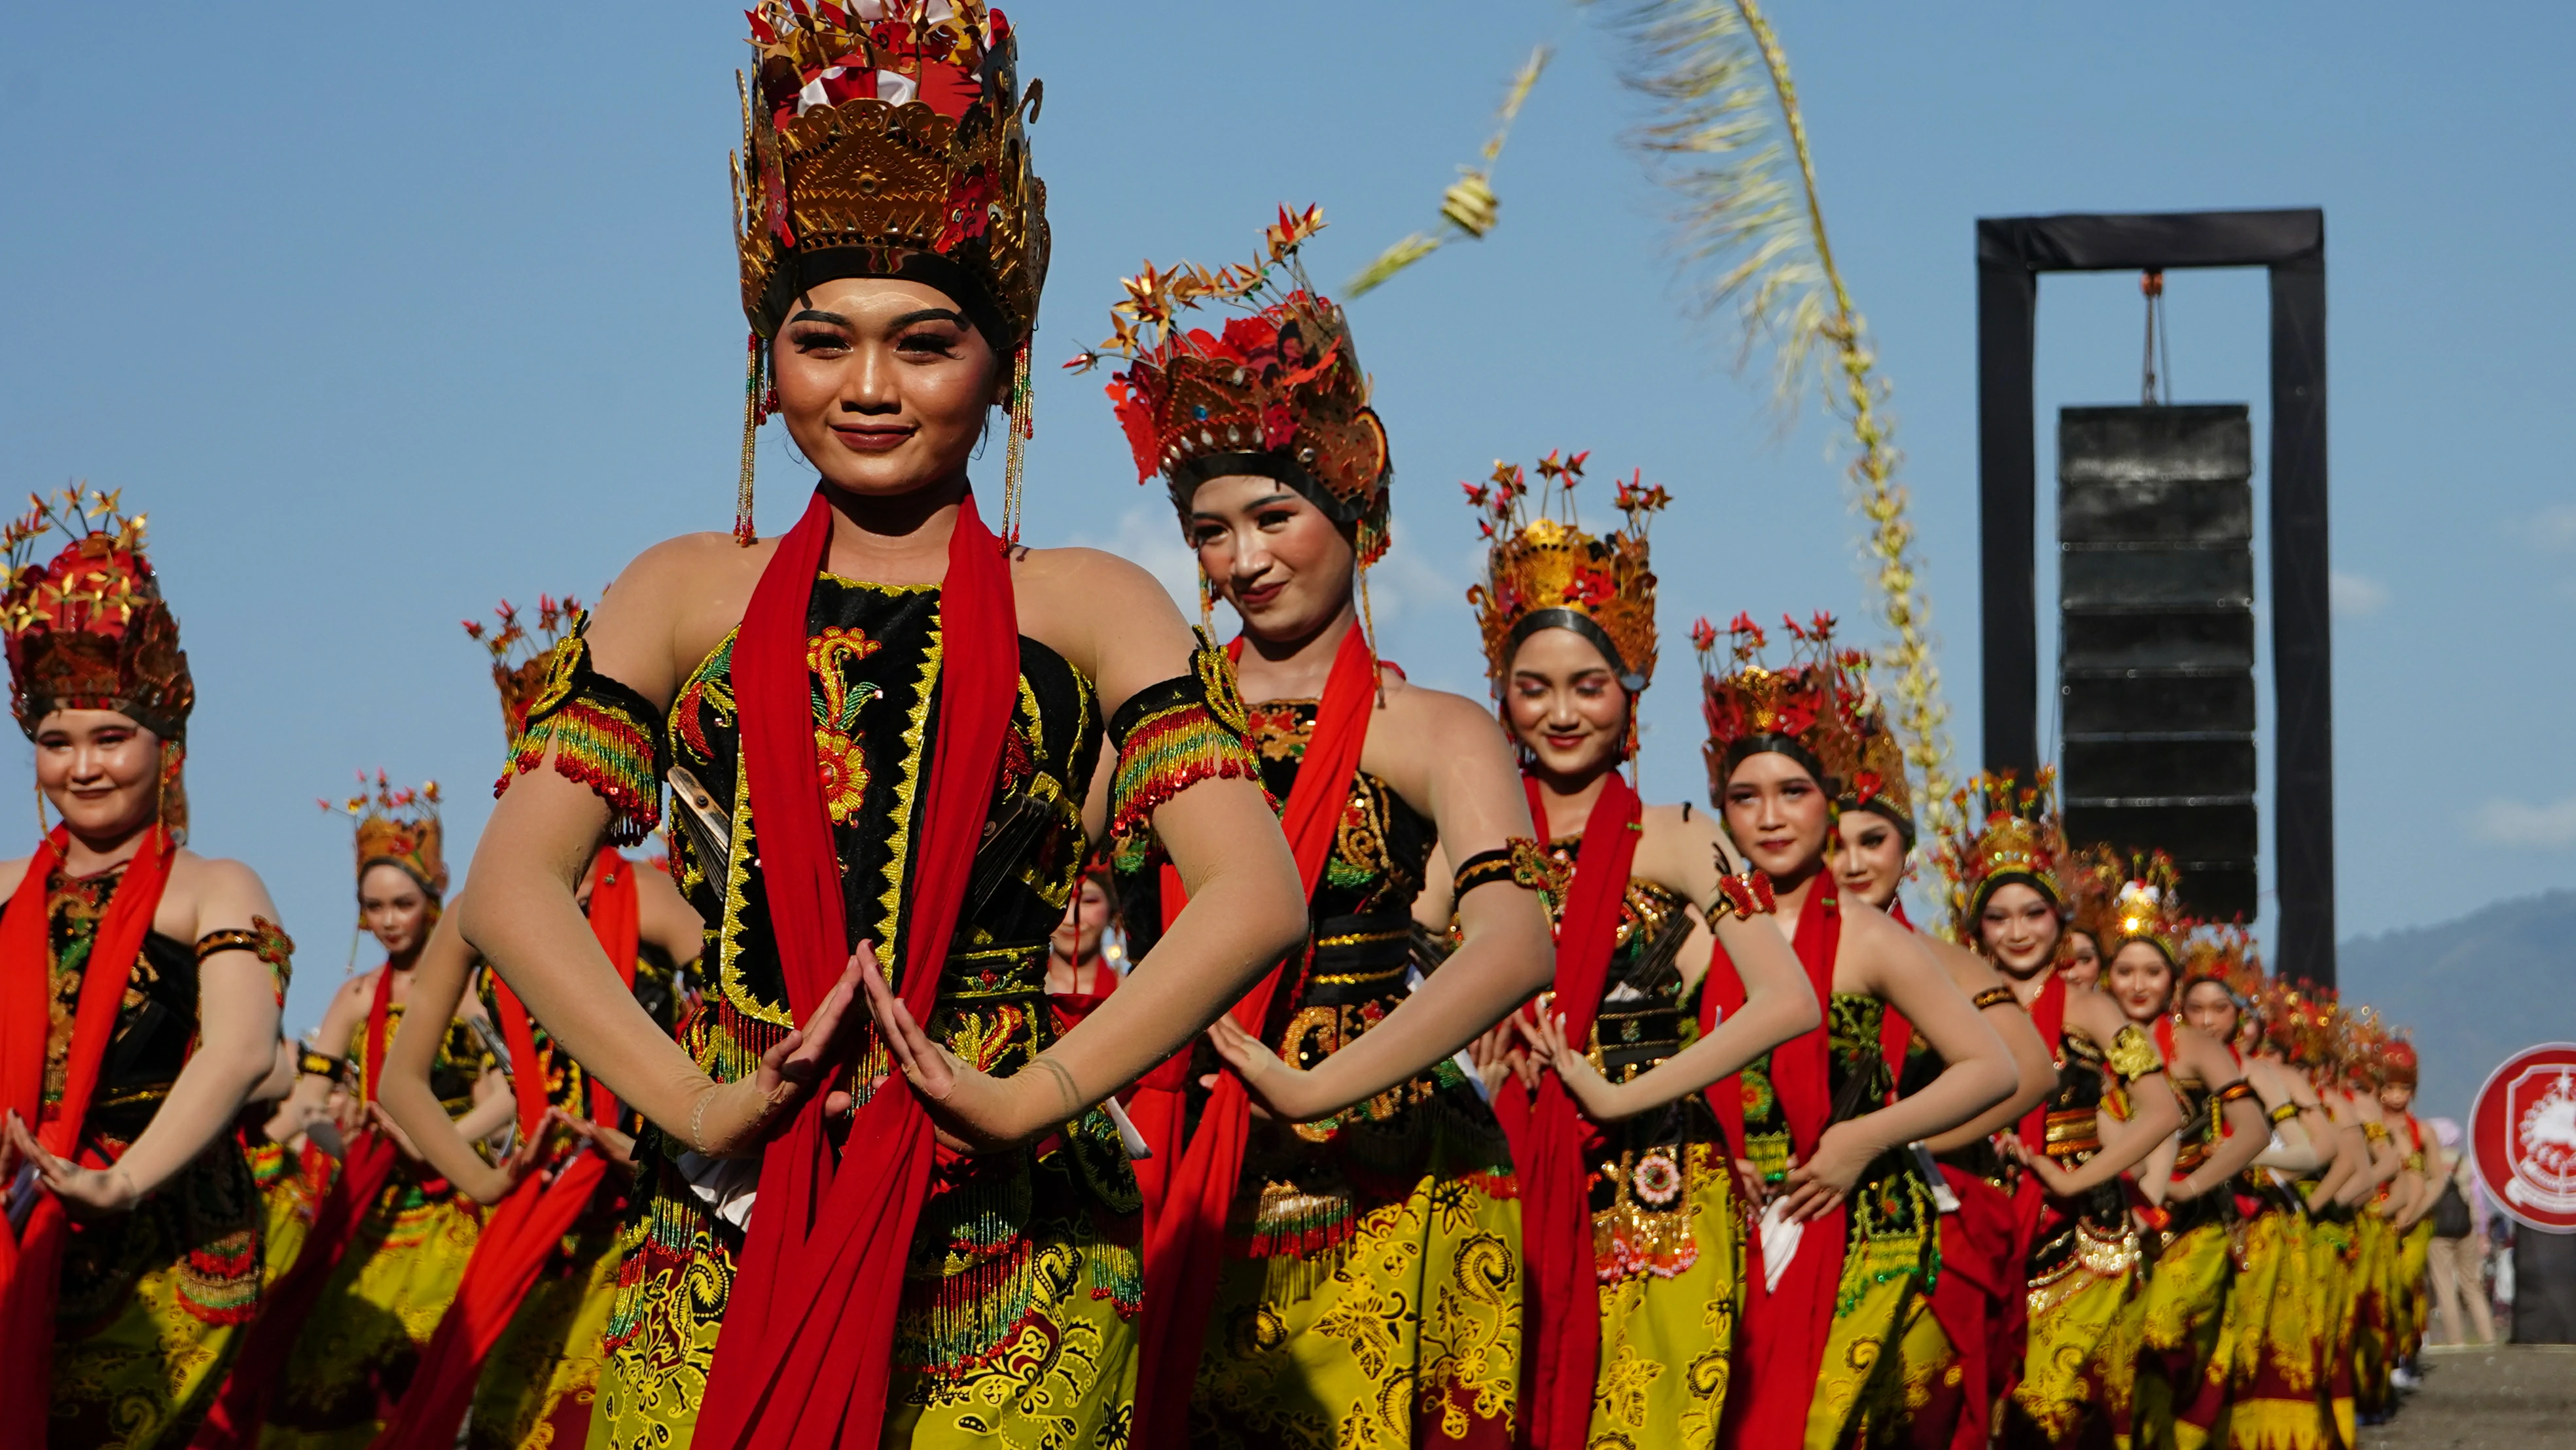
733 1119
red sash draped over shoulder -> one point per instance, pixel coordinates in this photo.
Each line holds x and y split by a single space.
1185 1251
31 1257
2030 1197
1783 1335
804 1363
525 1227
1548 1134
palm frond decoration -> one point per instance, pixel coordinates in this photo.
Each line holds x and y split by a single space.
1727 138
1468 208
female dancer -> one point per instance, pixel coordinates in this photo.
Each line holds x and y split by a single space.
2079 1249
339 1351
1847 1239
1945 1360
2262 1342
520 1346
132 1253
1630 1226
2169 1333
882 734
1079 977
1376 1294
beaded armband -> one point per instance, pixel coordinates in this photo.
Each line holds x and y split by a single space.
2133 1054
1482 869
314 1064
602 735
264 940
1994 996
2284 1113
1748 895
1170 736
2236 1091
1531 868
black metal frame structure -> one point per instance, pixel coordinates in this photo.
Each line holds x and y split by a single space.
2012 252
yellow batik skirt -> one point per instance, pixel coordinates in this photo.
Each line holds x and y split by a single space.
2273 1351
2413 1256
2180 1313
1372 1290
2334 1255
357 1350
151 1306
2374 1332
1891 1254
1018 1322
2074 1310
1668 1315
540 1380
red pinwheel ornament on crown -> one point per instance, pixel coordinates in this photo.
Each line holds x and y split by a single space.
1542 571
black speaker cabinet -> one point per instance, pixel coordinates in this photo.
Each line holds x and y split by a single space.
2155 526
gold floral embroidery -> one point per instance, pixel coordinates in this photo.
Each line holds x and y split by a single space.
837 753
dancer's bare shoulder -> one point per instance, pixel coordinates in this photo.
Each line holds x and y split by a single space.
671 607
1105 615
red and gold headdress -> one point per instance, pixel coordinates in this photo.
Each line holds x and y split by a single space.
887 138
1546 573
397 828
2139 899
2398 1063
1277 391
1879 784
2300 1022
2224 954
520 656
89 629
1809 710
2020 838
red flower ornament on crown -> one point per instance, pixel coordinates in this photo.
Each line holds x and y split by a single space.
1275 391
888 138
1808 709
2225 954
2019 838
2138 898
1544 572
398 827
521 655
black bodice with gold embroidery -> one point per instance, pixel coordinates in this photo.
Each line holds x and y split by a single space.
1891 1202
207 1218
1645 1169
2090 1081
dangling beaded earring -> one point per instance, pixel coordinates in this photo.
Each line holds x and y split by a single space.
758 402
1023 426
174 791
1207 603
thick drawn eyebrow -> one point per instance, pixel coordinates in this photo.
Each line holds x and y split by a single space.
931 314
815 314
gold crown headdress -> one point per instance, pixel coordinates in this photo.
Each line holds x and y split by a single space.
520 656
2138 898
1276 391
397 827
2020 838
1546 573
2300 1021
1879 783
2225 954
89 630
1807 710
888 138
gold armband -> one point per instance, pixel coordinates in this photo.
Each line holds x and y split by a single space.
2133 1054
314 1064
2236 1091
2375 1132
264 940
1748 896
1995 996
2284 1113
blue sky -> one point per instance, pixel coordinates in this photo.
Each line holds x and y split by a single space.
385 313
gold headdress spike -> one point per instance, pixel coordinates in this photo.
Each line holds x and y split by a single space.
1276 391
1544 572
520 655
887 138
1807 710
2223 953
397 827
2018 838
89 630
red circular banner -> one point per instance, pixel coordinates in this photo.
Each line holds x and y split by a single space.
2522 1136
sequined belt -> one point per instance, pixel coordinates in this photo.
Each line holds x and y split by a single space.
2073 1132
1359 959
1627 1043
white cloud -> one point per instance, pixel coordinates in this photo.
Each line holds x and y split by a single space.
2553 530
2548 826
2355 596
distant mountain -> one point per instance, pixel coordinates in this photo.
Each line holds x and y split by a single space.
2471 990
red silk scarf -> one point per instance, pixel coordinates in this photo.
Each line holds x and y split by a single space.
1549 1133
241 1406
31 1258
525 1227
805 1364
1185 1255
1783 1335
